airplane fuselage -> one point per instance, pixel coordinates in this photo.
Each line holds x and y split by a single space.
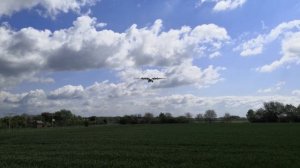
150 80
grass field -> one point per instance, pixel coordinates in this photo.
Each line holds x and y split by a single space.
177 145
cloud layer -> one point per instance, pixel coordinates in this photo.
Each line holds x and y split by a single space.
111 99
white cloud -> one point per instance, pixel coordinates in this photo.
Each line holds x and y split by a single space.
290 49
51 7
184 74
83 47
111 99
101 25
147 51
268 90
104 97
223 5
273 89
236 105
67 92
215 54
288 33
252 47
41 80
9 98
263 25
21 54
296 92
256 45
188 74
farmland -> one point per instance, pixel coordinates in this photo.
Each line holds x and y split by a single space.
159 145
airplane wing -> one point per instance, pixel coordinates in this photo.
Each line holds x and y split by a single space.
144 78
158 78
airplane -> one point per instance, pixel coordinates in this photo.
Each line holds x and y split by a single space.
150 79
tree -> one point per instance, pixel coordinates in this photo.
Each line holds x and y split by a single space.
199 117
166 118
163 117
272 111
104 121
227 117
181 119
289 114
168 115
63 116
251 115
93 120
297 117
148 117
210 116
47 118
188 115
86 123
17 122
260 115
129 119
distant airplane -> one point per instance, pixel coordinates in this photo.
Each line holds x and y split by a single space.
150 79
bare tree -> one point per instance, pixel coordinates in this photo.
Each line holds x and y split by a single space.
199 117
210 115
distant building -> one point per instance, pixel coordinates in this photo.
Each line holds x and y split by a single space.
38 124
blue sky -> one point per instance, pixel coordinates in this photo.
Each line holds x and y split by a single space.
84 55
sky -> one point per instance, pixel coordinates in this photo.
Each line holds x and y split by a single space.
86 56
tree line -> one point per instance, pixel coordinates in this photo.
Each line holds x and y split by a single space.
56 119
275 112
46 119
209 116
67 118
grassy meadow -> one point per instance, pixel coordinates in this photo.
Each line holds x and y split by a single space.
239 145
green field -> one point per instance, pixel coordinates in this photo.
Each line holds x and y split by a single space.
177 145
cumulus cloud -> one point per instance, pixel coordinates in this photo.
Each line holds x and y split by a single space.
21 54
184 74
188 74
256 45
288 33
111 99
50 7
290 49
67 92
103 97
223 5
228 4
29 51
